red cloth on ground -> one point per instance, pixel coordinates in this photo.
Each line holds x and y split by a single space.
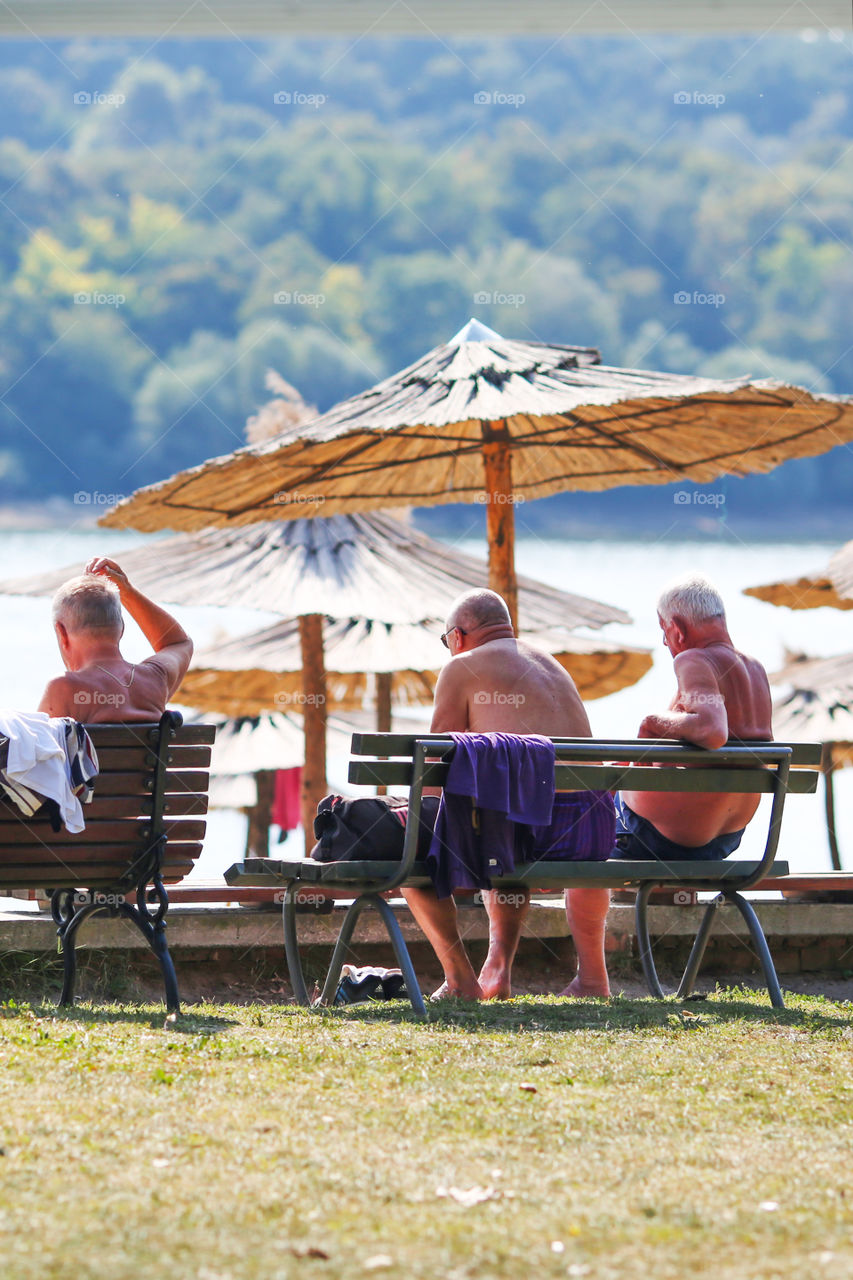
287 798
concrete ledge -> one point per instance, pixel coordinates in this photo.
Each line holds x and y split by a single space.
790 927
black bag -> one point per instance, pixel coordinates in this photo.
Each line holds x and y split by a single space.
372 828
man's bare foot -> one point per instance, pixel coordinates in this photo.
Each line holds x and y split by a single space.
586 990
446 992
494 981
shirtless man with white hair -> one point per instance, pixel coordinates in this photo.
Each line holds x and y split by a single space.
722 695
497 683
99 684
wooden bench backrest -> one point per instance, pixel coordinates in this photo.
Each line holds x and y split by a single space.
591 764
120 824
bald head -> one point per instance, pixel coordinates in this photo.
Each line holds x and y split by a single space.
479 608
89 603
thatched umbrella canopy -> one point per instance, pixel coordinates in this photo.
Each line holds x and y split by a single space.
484 419
818 707
831 586
397 664
364 566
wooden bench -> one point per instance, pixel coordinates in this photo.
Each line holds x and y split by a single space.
144 829
400 760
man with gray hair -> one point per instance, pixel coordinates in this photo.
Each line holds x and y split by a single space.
721 695
495 683
99 684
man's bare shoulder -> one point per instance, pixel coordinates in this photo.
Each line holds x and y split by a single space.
695 665
60 696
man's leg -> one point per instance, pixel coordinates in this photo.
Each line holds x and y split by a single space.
437 917
507 911
586 910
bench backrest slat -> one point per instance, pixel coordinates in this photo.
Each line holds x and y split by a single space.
605 777
803 754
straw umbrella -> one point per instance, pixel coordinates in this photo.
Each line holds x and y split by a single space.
818 707
260 672
373 567
484 419
831 586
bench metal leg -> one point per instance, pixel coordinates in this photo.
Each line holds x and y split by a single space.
698 949
69 922
401 951
760 943
641 917
154 932
291 944
70 913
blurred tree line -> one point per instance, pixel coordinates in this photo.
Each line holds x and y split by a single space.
174 222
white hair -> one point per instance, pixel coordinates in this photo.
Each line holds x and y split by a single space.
88 603
693 598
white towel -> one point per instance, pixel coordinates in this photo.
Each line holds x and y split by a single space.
38 761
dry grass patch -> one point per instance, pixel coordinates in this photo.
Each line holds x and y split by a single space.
533 1137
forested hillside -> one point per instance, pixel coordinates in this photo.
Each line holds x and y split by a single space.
175 220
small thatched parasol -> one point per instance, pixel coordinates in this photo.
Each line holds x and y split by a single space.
484 419
819 708
831 586
367 661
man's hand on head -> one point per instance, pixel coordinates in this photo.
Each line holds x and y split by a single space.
106 568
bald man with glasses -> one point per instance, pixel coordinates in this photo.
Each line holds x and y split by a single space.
496 683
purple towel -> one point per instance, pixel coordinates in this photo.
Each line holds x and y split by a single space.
495 781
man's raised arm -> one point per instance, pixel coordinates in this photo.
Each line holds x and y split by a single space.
172 647
698 714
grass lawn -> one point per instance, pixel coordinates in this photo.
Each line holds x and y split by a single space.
524 1139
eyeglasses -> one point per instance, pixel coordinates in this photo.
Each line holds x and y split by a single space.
449 632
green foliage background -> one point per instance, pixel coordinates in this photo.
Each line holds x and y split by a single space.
332 210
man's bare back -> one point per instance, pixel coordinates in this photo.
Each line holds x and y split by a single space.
722 694
506 686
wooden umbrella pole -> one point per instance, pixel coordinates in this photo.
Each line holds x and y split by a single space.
383 710
500 514
314 785
260 816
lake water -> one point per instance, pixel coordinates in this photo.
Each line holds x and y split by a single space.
626 574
